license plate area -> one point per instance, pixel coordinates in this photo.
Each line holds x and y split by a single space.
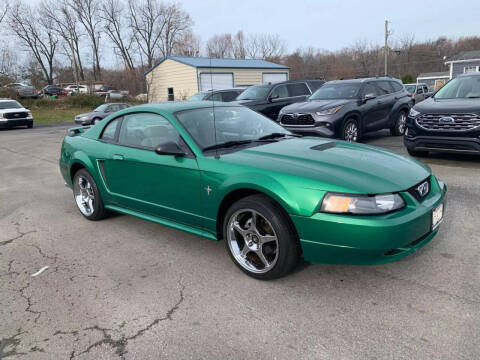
437 216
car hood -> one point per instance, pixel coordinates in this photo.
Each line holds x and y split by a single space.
5 111
334 165
441 106
84 114
315 105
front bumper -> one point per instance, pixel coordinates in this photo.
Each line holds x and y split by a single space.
322 131
370 240
465 145
83 121
6 123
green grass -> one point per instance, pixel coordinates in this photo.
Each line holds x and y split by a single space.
45 115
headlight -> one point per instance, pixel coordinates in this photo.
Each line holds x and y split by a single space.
84 118
413 113
1 116
328 111
361 204
29 114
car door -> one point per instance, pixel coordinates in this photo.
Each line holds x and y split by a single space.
372 114
419 96
277 99
138 178
385 103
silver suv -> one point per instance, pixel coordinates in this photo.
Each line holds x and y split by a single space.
418 92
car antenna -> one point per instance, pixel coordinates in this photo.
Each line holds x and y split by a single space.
213 109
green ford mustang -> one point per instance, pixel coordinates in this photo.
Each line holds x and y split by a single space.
230 173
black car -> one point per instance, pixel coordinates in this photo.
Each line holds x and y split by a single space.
50 90
268 99
99 113
224 95
447 122
346 109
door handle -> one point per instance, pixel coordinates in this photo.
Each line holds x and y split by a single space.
118 157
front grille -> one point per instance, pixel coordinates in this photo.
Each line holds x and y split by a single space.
416 194
15 115
443 122
297 120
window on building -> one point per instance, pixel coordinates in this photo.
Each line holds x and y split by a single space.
171 97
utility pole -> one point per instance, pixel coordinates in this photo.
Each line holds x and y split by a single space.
385 49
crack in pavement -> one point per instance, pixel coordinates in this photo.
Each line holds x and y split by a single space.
28 299
19 236
29 155
9 269
120 345
13 342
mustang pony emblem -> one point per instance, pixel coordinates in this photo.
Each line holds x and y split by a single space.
423 189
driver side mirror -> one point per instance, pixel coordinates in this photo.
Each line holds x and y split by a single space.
369 97
169 148
273 97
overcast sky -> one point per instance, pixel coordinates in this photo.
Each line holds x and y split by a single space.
335 24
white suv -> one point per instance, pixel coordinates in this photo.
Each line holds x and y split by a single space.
12 113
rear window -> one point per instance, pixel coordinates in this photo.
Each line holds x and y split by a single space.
396 86
110 130
316 84
298 89
385 87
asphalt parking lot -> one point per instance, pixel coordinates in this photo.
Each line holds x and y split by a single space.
127 288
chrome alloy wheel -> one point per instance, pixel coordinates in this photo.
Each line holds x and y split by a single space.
402 122
84 195
351 132
252 241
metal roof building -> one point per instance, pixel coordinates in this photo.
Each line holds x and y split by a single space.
179 77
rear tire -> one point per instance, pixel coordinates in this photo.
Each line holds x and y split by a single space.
413 152
400 124
351 131
87 196
260 238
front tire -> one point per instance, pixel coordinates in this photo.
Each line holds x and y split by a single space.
351 131
29 126
260 239
87 197
96 121
400 124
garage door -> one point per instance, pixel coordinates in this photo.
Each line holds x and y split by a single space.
274 78
209 81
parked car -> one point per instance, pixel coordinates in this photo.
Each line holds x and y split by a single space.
23 90
13 114
346 109
236 175
103 90
76 89
116 94
224 95
99 113
418 92
268 99
50 90
447 122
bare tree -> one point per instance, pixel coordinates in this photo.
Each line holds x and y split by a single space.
366 58
220 46
146 20
189 45
113 14
62 20
87 12
31 29
265 46
4 7
176 23
238 46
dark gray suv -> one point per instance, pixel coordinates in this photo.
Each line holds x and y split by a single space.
346 109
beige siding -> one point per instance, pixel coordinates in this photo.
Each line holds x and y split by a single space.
242 77
182 78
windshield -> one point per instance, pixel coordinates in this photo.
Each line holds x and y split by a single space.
231 124
256 92
10 105
460 88
197 97
101 108
337 91
410 88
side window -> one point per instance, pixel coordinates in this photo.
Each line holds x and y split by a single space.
419 90
396 86
315 85
215 97
298 89
229 96
281 91
110 130
370 88
385 87
146 130
114 108
425 89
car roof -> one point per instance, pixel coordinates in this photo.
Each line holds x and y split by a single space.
174 106
5 100
469 74
362 80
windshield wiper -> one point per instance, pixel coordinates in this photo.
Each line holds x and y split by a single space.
227 144
473 97
277 135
